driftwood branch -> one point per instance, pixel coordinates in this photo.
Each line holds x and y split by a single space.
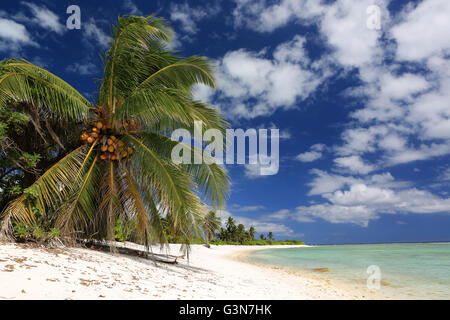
165 258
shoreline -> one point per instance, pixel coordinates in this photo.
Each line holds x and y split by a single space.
346 288
212 273
357 289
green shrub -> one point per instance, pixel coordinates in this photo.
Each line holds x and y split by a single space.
35 233
198 241
118 231
38 233
21 231
54 233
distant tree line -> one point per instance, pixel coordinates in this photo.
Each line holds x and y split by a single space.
231 233
235 233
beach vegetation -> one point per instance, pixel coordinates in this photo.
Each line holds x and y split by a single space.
251 233
233 234
257 242
29 144
36 233
211 224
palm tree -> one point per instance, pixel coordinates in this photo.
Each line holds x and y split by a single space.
122 166
240 233
270 235
252 233
231 229
211 224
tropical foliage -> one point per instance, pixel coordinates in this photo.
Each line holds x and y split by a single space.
29 143
237 235
121 169
233 233
211 224
258 242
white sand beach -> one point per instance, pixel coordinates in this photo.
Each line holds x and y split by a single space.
211 273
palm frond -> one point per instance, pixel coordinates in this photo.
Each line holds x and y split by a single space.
173 184
165 110
48 192
151 107
138 208
131 39
157 227
166 91
211 178
18 210
182 74
109 207
56 183
79 208
22 81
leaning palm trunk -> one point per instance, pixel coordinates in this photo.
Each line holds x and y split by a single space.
122 168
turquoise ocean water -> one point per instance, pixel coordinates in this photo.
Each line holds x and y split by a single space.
416 271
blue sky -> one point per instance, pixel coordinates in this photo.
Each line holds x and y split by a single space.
364 114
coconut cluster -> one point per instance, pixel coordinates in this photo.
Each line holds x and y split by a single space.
130 126
112 148
94 133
